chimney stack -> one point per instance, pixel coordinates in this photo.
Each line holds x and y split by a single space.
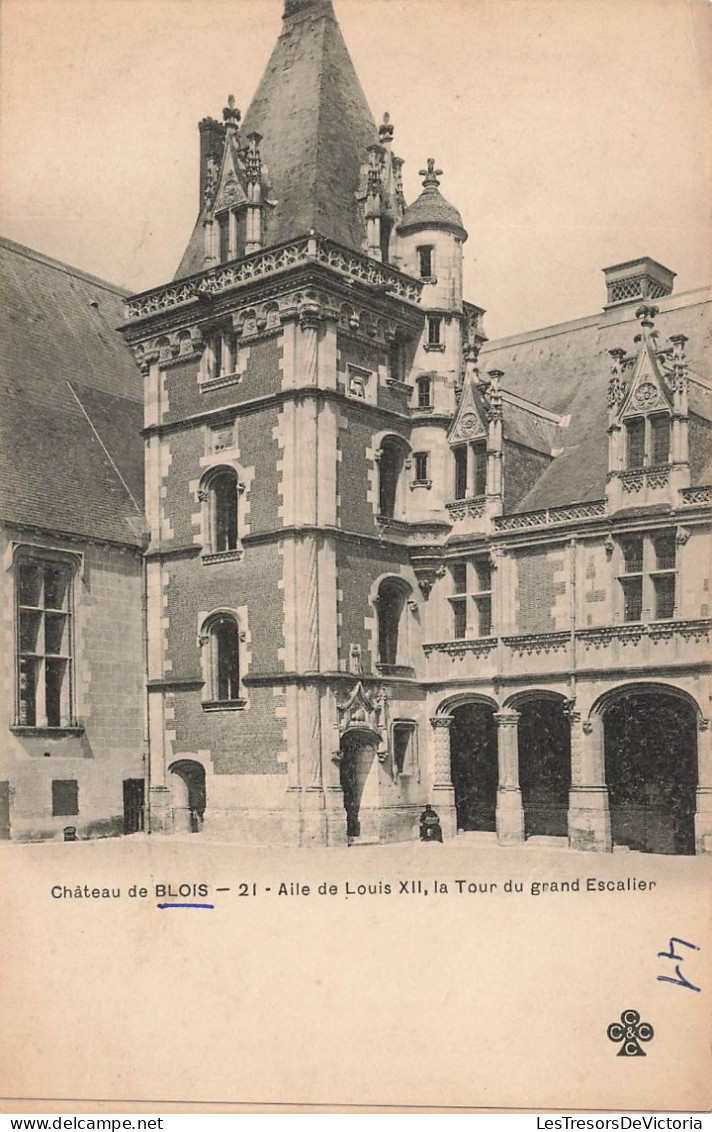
638 280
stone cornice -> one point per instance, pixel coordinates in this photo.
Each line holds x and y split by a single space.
269 262
633 632
478 646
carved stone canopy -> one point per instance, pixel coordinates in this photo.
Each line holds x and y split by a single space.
362 712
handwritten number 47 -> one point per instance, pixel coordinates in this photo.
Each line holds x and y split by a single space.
680 981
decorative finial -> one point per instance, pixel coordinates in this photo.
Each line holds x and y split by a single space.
431 175
385 130
231 115
646 317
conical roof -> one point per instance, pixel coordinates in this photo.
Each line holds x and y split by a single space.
315 125
431 210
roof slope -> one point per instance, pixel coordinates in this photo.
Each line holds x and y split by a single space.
70 445
565 369
315 124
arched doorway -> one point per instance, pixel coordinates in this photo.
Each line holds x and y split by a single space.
544 744
188 797
358 772
473 757
650 745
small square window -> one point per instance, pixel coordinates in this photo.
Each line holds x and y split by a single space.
65 798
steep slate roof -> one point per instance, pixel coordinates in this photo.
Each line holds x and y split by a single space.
72 403
315 125
565 369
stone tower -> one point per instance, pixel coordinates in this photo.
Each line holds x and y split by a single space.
300 371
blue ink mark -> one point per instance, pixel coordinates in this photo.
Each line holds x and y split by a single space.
185 905
680 981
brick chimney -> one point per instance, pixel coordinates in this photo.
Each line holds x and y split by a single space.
637 280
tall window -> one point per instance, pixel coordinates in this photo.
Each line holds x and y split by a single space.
425 262
470 465
223 676
434 324
390 467
222 502
460 459
44 653
391 600
405 755
386 229
424 387
471 599
421 461
647 578
647 441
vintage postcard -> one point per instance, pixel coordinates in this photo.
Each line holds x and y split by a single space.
355 740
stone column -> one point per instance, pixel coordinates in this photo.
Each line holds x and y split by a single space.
510 814
703 809
589 817
443 790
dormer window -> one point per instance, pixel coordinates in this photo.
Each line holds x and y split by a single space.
425 261
647 441
231 226
470 469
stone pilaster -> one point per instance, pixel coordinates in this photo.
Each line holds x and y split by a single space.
703 808
510 813
442 788
589 817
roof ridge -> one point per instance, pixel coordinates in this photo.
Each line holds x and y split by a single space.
60 265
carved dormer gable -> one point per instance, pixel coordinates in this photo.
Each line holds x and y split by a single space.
231 189
646 390
469 423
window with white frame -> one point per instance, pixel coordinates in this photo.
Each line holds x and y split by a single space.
219 355
471 599
647 577
221 640
221 493
392 644
44 642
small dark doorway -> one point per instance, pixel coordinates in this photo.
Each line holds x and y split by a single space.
358 772
544 741
133 805
188 797
651 770
4 811
475 776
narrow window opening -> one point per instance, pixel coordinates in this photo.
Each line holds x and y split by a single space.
425 262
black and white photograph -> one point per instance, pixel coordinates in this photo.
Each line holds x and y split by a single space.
355 529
